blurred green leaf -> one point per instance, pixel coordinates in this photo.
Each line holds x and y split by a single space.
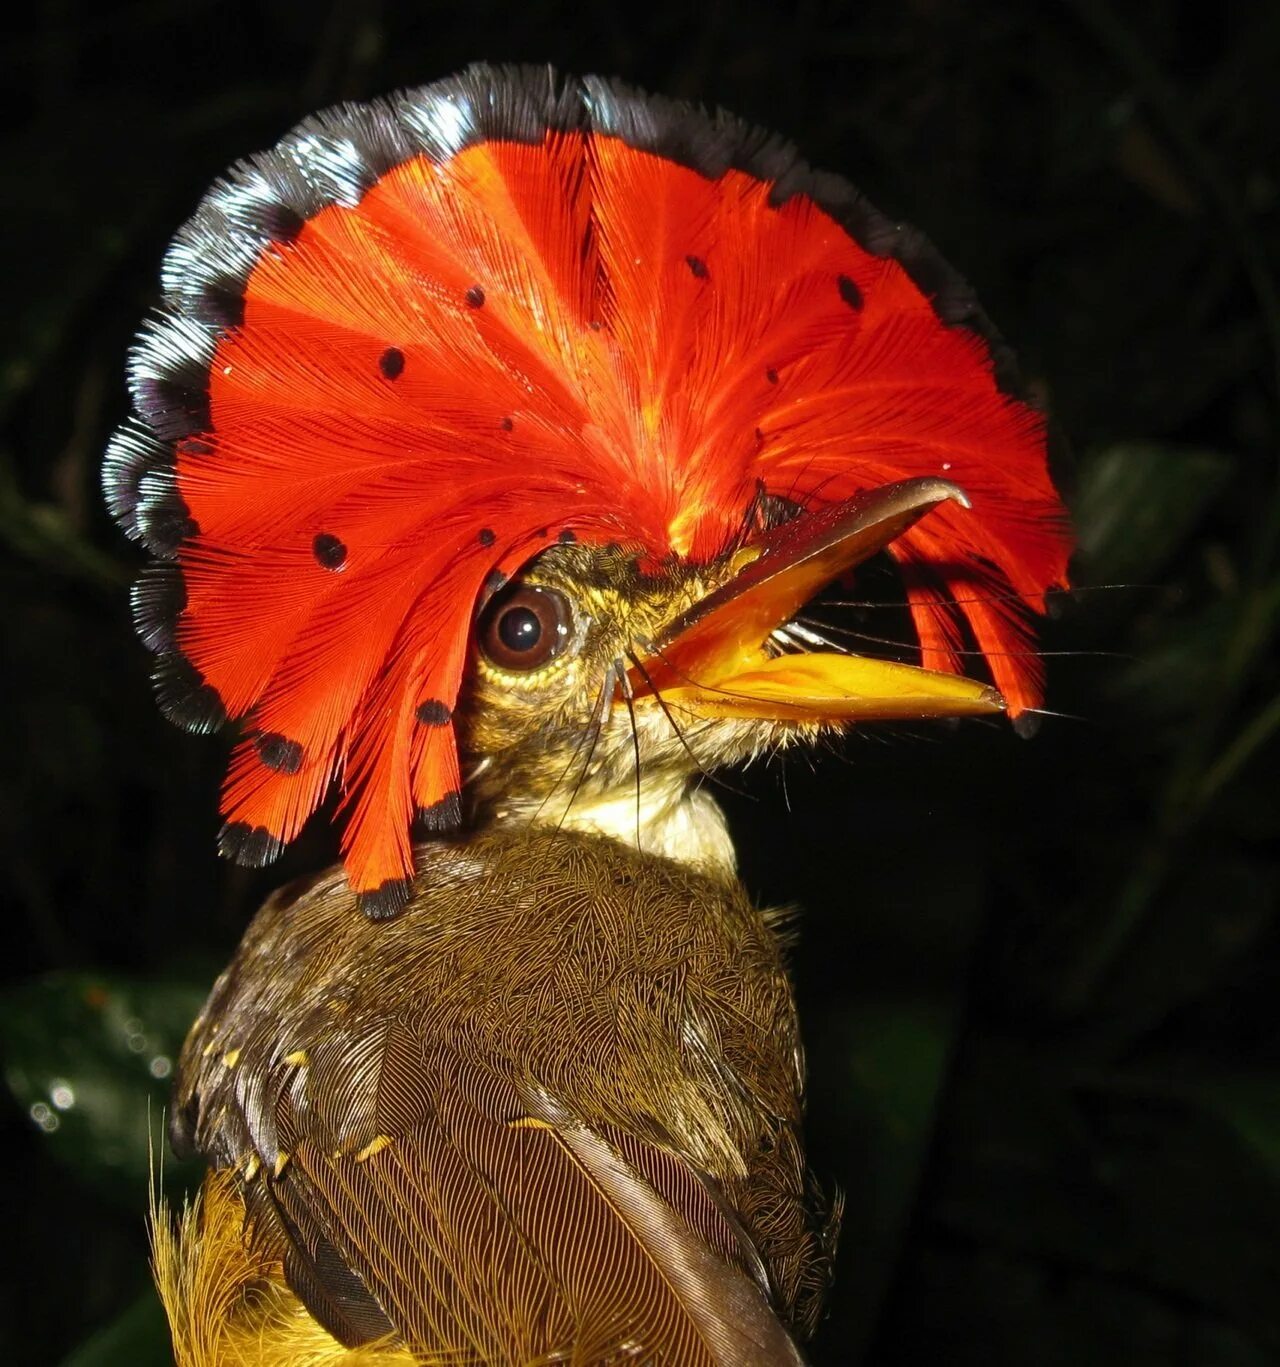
89 1059
139 1336
896 1052
891 1056
1137 502
1176 666
1250 1104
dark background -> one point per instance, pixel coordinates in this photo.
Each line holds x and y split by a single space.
1038 980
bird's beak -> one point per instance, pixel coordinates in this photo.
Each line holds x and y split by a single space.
712 661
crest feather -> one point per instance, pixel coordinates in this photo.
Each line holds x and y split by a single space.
411 344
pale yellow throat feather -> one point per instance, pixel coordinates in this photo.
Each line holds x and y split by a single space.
669 818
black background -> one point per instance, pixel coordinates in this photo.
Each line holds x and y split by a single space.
1038 980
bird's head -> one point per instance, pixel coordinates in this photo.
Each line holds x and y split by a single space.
491 437
599 689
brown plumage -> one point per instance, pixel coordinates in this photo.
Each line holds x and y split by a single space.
549 1114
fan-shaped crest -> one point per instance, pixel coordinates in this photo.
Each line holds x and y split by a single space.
423 338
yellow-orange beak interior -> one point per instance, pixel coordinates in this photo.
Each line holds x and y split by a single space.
713 661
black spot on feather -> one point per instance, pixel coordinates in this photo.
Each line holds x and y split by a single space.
281 223
391 363
849 292
165 522
771 375
567 537
474 297
279 752
444 815
433 712
185 697
221 303
486 537
252 846
506 424
386 900
329 551
698 266
175 405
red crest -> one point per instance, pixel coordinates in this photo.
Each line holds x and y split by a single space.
423 338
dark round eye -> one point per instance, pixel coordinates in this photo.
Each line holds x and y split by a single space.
525 628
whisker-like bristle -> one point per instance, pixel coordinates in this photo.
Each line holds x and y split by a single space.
964 600
706 773
628 696
591 733
855 634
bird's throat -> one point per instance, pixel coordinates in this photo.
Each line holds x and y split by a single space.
669 817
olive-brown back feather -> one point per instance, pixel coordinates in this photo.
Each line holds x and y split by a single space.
551 1110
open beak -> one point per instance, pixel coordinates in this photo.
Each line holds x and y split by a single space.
712 661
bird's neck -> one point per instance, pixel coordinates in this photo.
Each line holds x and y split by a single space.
668 817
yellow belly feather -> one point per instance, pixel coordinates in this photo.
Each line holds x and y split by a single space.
228 1309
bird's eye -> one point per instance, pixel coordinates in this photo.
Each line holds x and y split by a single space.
524 628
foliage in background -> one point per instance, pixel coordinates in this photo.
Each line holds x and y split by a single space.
1039 981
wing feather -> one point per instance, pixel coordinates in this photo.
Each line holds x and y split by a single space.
513 1241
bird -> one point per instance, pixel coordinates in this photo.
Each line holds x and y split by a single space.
489 441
